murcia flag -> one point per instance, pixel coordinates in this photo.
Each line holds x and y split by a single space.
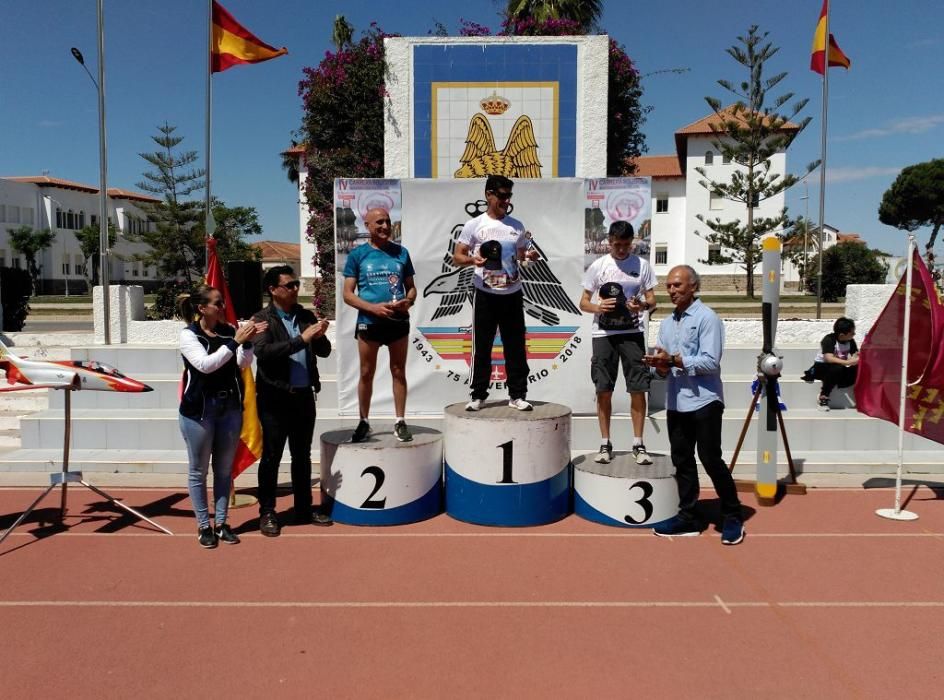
232 44
878 382
818 57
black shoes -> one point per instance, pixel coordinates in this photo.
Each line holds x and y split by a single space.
321 519
269 525
225 535
361 431
207 537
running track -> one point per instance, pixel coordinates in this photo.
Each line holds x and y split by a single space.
823 599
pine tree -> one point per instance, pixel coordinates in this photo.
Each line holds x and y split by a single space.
176 239
749 133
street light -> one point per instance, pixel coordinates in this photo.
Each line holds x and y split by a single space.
806 231
102 168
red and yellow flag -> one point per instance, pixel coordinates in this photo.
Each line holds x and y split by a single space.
233 44
818 57
249 449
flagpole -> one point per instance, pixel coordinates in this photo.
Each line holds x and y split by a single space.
822 173
897 513
208 214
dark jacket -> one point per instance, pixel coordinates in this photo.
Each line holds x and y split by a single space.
196 385
274 348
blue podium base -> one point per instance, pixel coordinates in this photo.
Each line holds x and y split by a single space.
510 505
588 512
422 508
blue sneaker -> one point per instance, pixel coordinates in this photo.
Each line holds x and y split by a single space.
732 532
677 527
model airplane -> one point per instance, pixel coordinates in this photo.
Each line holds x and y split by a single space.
23 374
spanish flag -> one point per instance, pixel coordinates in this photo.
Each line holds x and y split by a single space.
249 449
818 57
232 44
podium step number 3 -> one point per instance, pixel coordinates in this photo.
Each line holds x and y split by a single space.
624 494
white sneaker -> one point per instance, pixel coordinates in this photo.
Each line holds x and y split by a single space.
475 404
520 404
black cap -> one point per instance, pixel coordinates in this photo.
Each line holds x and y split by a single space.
492 252
613 290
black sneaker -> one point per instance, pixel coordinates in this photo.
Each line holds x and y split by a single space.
402 432
225 535
605 455
321 519
269 525
207 537
361 431
823 403
641 455
732 531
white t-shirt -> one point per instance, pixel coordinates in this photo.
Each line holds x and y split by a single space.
510 233
635 276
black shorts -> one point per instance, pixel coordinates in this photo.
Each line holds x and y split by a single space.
609 351
383 332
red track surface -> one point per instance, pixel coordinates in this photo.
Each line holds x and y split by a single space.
823 599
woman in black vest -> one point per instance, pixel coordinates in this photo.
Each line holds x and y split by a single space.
211 403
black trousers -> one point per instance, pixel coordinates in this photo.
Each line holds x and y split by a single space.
701 430
290 416
833 375
504 312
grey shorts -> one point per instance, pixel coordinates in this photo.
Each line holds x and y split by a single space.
609 352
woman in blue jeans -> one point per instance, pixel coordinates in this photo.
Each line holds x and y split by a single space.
211 403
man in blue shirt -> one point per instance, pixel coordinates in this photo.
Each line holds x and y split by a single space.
688 352
378 282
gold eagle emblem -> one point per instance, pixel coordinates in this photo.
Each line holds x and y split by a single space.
518 159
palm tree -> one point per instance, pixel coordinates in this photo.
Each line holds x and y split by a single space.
585 12
342 32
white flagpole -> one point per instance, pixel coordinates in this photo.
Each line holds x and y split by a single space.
822 173
208 212
897 513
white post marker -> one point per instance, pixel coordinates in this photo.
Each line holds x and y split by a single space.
897 513
623 493
382 481
507 467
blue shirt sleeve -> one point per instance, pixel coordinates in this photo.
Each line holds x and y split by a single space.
710 347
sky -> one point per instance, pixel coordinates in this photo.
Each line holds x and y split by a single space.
885 113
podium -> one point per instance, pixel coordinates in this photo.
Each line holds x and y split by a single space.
381 481
623 493
507 467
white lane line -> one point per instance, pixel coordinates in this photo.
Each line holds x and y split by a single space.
560 535
727 606
721 603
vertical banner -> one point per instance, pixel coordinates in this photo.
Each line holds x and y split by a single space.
429 215
352 200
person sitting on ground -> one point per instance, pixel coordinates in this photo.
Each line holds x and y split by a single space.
837 363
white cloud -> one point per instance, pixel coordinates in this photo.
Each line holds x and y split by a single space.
904 125
835 175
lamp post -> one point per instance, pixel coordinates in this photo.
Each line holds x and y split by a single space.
806 235
103 170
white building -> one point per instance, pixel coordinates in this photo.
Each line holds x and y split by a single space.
64 207
678 198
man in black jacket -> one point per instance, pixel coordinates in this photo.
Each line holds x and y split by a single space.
286 384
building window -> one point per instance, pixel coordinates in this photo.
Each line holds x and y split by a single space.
70 220
65 268
709 157
81 222
17 262
135 272
13 214
662 203
714 253
715 201
725 158
94 219
662 255
79 265
27 215
60 219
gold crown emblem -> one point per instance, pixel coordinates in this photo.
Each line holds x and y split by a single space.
495 104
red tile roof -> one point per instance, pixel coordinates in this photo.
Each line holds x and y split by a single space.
45 180
849 238
658 166
118 193
278 250
703 126
295 150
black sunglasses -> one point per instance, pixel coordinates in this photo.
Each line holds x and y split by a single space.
504 196
294 284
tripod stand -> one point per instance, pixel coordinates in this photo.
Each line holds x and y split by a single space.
793 487
65 477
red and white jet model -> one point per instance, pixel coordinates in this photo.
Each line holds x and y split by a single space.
23 374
